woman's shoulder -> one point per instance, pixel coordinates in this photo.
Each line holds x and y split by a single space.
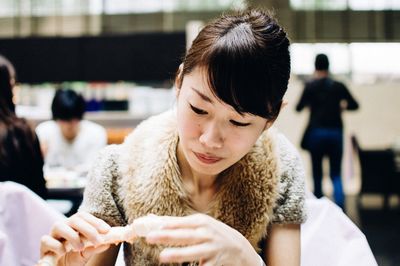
109 154
104 171
276 142
285 148
291 186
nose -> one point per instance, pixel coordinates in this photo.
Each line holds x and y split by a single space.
212 137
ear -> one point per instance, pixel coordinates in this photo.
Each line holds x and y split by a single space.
178 79
269 123
284 103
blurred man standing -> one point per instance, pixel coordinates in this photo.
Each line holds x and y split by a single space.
326 99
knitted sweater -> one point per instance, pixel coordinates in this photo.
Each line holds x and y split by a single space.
142 176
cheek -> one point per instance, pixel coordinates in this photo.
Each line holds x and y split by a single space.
189 128
240 144
192 129
239 147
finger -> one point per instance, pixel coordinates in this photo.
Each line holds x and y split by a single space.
214 260
190 221
179 237
101 226
186 254
85 229
202 262
208 263
50 245
62 231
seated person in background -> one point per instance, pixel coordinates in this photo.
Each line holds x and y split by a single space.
68 141
20 158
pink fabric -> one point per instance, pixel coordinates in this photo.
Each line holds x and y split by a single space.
24 218
330 238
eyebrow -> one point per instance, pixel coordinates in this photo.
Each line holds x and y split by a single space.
203 96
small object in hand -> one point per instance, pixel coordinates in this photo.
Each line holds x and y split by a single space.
144 225
118 234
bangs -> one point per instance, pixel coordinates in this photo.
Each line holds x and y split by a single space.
237 74
246 61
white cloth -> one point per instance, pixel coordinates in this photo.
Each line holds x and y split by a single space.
24 218
330 238
78 154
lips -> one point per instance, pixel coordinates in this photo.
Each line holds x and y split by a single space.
207 159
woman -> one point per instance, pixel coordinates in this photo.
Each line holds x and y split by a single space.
211 167
20 158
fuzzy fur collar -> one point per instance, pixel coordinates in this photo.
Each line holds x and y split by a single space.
151 183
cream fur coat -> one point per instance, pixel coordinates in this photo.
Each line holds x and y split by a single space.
141 176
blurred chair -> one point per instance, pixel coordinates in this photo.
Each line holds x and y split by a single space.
117 135
378 172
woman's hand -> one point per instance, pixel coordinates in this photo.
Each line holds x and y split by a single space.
68 238
202 238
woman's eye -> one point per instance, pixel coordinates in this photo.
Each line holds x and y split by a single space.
197 110
238 124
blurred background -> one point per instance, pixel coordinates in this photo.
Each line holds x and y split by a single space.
122 56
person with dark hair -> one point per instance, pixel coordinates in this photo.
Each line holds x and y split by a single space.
221 183
68 141
322 63
327 99
20 158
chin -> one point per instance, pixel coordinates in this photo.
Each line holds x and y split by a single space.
213 169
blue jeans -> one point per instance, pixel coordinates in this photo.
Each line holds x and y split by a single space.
327 142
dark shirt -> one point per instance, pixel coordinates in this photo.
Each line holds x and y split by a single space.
324 97
23 165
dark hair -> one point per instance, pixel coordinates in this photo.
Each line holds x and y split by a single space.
247 61
67 105
321 62
14 131
7 73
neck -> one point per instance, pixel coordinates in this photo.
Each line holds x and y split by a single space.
69 139
321 74
196 183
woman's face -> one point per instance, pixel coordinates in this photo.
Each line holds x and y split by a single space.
212 135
